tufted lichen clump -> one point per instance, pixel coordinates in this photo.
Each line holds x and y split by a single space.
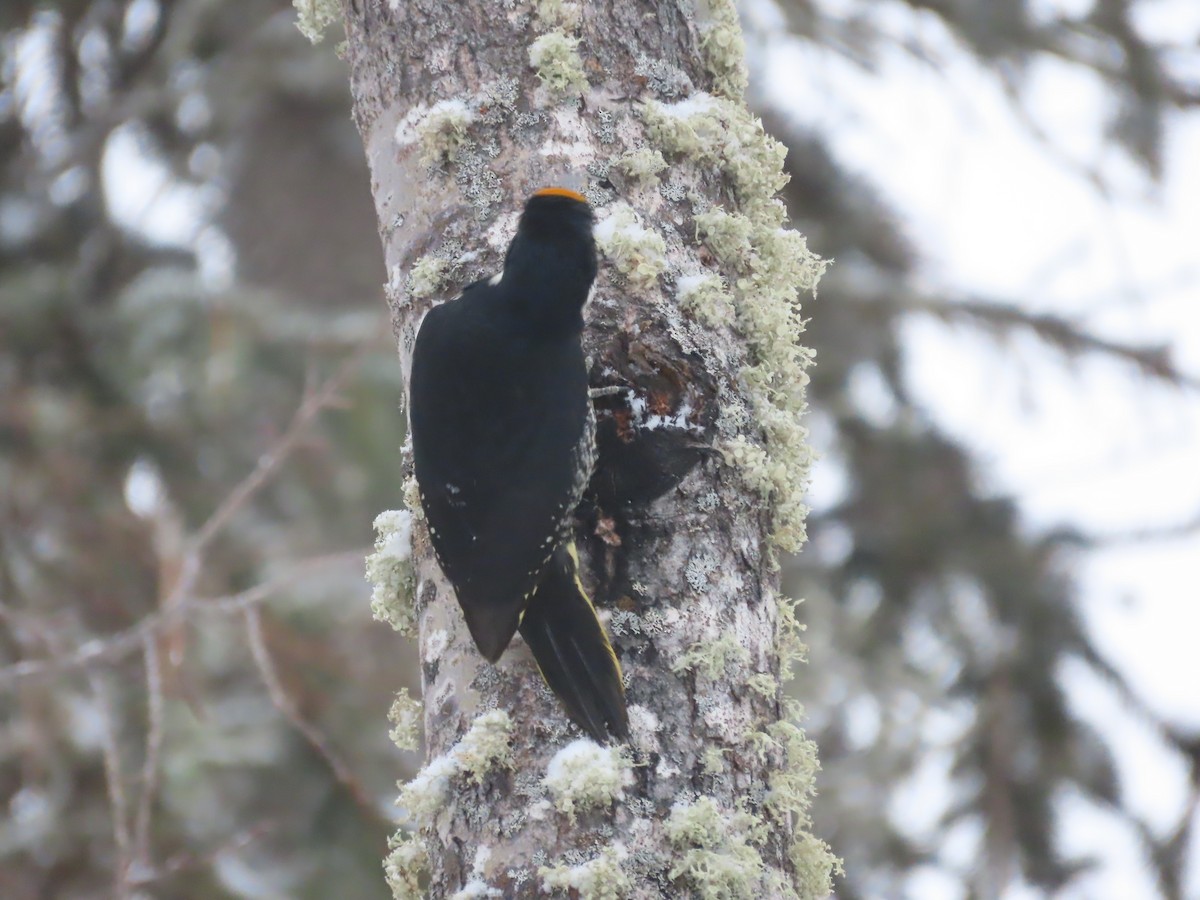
601 878
584 775
440 130
729 236
713 658
636 252
555 57
789 639
389 570
792 766
790 788
557 13
406 862
484 746
412 495
705 297
642 165
724 49
724 133
314 16
405 716
712 760
717 850
768 268
482 749
427 275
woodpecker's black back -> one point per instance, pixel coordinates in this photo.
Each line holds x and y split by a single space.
503 445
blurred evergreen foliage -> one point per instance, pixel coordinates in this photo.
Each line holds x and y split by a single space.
147 367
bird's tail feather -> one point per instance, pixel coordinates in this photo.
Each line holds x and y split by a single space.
573 652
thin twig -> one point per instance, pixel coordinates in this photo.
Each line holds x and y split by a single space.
122 643
269 462
179 602
268 465
187 861
1149 534
154 736
114 781
283 702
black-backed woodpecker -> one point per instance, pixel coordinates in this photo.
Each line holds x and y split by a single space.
503 437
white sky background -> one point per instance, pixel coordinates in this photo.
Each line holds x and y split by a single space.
994 213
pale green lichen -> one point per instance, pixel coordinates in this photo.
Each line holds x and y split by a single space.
730 237
777 471
425 795
765 269
781 253
771 266
686 128
759 745
712 658
813 866
636 252
712 760
484 748
584 775
764 684
722 132
782 475
705 298
557 14
314 16
791 784
790 789
724 49
789 641
601 878
405 716
716 852
412 498
389 570
444 131
642 165
441 131
555 57
405 866
427 275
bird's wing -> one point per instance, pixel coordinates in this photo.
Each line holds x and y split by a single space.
494 451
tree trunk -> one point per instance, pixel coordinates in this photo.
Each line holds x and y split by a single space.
465 109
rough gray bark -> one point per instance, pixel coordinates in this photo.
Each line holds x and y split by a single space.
464 110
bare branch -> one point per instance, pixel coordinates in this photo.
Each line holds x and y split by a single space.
117 646
284 703
115 783
154 736
268 464
187 861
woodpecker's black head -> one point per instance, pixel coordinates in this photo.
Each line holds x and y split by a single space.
551 262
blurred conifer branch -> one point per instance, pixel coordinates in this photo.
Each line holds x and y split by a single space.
1072 339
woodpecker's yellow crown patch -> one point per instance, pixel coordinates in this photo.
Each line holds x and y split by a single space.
560 192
